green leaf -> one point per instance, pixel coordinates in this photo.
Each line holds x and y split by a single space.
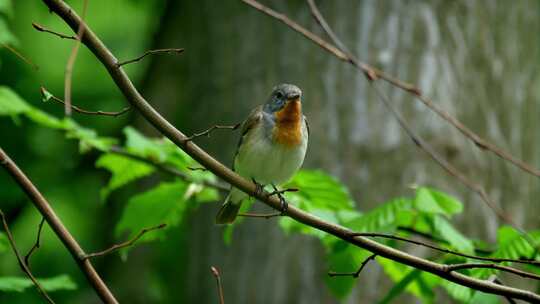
401 286
432 201
10 102
319 190
484 298
89 139
19 284
445 230
164 204
139 144
343 257
407 280
458 292
124 170
6 36
381 218
6 8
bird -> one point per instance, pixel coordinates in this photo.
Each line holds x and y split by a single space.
272 146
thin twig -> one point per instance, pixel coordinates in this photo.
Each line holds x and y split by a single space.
82 111
261 215
521 273
208 131
71 62
279 192
41 28
107 58
495 279
353 274
151 52
374 73
36 244
21 56
444 250
168 169
215 272
22 264
124 244
197 168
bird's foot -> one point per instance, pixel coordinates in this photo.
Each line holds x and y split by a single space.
283 204
259 188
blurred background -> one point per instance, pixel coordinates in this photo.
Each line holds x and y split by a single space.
476 59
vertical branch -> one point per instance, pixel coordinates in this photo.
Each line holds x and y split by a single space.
22 263
58 227
71 62
215 272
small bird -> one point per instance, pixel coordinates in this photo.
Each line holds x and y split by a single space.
272 146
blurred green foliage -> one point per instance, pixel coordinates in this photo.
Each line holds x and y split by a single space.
427 212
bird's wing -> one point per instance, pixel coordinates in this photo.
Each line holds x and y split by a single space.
307 125
251 121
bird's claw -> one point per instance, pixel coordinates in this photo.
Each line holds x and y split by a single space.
259 188
283 206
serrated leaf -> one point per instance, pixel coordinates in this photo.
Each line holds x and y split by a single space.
401 286
407 280
432 201
381 218
164 204
445 230
19 284
458 292
319 190
124 170
89 139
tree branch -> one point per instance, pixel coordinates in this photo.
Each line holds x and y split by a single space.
22 263
41 28
150 52
208 131
58 227
71 62
166 128
353 274
36 244
124 244
215 272
47 95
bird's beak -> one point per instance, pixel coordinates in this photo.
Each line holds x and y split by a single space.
293 97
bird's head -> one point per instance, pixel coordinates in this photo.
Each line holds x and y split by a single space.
283 95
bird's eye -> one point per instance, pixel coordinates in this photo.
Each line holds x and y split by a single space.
279 95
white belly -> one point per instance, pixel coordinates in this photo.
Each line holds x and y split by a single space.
268 162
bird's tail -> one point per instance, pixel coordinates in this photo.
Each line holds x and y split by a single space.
228 211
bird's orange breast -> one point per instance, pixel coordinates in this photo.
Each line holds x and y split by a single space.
288 128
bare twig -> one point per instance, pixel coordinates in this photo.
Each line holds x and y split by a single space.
373 74
197 168
215 272
151 52
41 28
493 278
123 82
353 274
22 263
71 62
82 111
36 244
444 250
58 227
124 244
521 273
208 131
21 56
261 215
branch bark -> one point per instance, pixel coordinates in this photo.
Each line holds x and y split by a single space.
125 85
58 227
